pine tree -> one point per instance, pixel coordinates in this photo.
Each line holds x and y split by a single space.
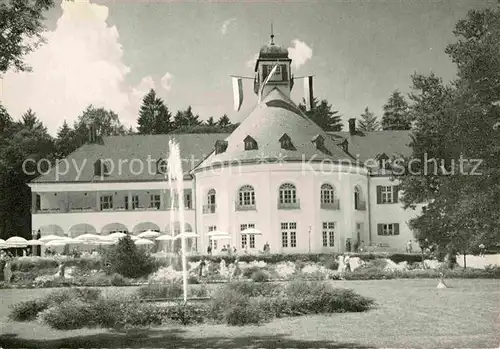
368 122
5 119
154 117
186 118
31 122
224 121
210 121
65 142
396 116
321 113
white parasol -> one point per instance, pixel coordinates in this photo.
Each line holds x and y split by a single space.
149 234
251 231
35 243
165 238
217 232
51 237
144 242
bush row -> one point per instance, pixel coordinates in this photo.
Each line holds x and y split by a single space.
26 264
457 273
237 303
321 258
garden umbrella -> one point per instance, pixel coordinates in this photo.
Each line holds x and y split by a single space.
165 238
88 237
117 235
217 232
35 243
148 234
54 243
133 237
51 237
16 240
144 242
251 231
187 235
220 237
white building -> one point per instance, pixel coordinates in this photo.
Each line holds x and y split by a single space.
306 190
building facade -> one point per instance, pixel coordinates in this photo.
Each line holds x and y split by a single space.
304 189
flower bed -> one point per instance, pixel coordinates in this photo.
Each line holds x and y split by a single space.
234 304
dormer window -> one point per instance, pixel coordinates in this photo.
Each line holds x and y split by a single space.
220 147
383 161
286 142
162 166
100 168
250 143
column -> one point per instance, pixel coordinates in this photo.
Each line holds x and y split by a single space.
97 201
129 199
162 200
33 202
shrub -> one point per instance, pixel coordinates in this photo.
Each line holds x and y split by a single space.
119 280
201 291
260 276
186 314
154 291
248 272
126 259
331 264
252 289
243 314
71 315
27 311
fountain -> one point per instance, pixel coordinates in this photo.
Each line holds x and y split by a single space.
176 182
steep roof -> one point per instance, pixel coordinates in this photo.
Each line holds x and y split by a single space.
193 148
266 124
367 145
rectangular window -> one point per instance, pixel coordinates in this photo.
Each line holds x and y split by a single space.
187 201
247 238
135 202
155 201
289 234
387 194
213 242
284 239
328 234
106 202
293 239
388 229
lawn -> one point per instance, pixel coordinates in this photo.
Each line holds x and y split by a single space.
409 313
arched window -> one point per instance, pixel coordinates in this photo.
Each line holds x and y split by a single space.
358 201
288 194
210 206
246 196
211 197
327 194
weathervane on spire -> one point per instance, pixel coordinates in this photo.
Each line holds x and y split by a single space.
272 33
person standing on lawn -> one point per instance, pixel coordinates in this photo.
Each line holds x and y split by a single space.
481 250
409 247
347 261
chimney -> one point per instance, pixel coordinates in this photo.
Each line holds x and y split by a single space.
352 126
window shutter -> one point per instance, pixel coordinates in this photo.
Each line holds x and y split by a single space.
395 193
379 194
379 229
396 228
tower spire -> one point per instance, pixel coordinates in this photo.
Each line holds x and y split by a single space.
272 34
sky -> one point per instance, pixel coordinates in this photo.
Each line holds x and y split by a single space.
111 53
